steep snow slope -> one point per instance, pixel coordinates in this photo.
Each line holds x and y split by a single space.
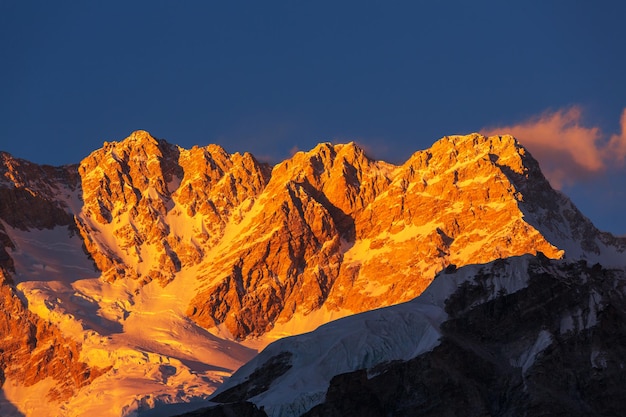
551 348
154 353
401 332
479 341
152 271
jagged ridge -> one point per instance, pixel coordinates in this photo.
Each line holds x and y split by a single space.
261 252
521 336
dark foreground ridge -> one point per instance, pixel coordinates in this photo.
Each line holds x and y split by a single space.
242 409
556 347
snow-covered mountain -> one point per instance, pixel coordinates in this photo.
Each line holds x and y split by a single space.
148 273
519 336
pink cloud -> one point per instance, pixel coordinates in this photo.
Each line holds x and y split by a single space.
616 149
294 149
566 150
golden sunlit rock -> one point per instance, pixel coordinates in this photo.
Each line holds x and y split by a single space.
149 262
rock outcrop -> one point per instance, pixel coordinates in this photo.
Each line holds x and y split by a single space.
327 228
521 336
33 350
553 348
251 252
337 231
151 209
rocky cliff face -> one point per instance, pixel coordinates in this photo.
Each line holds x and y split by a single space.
32 196
522 336
143 229
341 232
32 350
151 209
552 348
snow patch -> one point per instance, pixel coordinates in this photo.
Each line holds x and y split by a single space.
49 255
527 359
155 353
362 341
598 359
28 400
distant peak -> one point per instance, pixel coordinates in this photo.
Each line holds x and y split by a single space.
475 143
136 138
141 135
139 141
478 140
331 151
322 148
210 151
143 138
351 147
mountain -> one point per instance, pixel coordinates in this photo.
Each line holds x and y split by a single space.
519 336
152 272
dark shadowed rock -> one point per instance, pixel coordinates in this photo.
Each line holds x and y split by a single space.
511 356
242 409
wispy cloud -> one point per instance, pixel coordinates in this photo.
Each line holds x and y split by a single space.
617 145
566 150
294 149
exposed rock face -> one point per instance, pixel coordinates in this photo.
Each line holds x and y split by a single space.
527 336
336 229
228 410
553 348
259 380
452 204
32 350
35 196
151 208
263 251
329 227
32 196
286 256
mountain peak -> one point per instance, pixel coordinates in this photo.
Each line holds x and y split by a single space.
541 334
336 148
141 134
138 142
228 248
504 151
327 151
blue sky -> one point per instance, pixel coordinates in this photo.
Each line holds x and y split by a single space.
272 77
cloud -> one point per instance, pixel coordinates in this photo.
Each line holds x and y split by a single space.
616 148
294 149
566 150
375 148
